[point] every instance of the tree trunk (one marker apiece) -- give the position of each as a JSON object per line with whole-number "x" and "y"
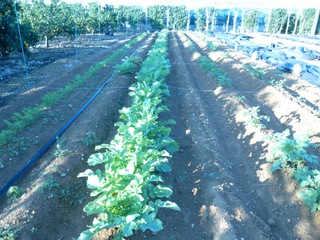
{"x": 315, "y": 22}
{"x": 168, "y": 18}
{"x": 296, "y": 24}
{"x": 228, "y": 19}
{"x": 207, "y": 19}
{"x": 288, "y": 23}
{"x": 242, "y": 21}
{"x": 188, "y": 21}
{"x": 46, "y": 41}
{"x": 213, "y": 20}
{"x": 268, "y": 22}
{"x": 235, "y": 21}
{"x": 302, "y": 27}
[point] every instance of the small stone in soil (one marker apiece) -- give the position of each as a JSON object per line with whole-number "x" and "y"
{"x": 271, "y": 222}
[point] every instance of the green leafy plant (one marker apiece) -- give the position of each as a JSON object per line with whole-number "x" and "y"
{"x": 128, "y": 192}
{"x": 49, "y": 184}
{"x": 211, "y": 45}
{"x": 8, "y": 233}
{"x": 59, "y": 152}
{"x": 14, "y": 192}
{"x": 91, "y": 139}
{"x": 129, "y": 64}
{"x": 280, "y": 84}
{"x": 317, "y": 112}
{"x": 34, "y": 231}
{"x": 257, "y": 72}
{"x": 239, "y": 99}
{"x": 211, "y": 68}
{"x": 254, "y": 119}
{"x": 72, "y": 193}
{"x": 301, "y": 99}
{"x": 287, "y": 153}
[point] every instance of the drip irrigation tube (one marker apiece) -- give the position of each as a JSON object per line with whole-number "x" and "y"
{"x": 59, "y": 133}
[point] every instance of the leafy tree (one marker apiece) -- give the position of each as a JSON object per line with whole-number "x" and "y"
{"x": 7, "y": 26}
{"x": 134, "y": 15}
{"x": 200, "y": 19}
{"x": 251, "y": 20}
{"x": 93, "y": 17}
{"x": 178, "y": 17}
{"x": 277, "y": 20}
{"x": 45, "y": 19}
{"x": 109, "y": 18}
{"x": 79, "y": 18}
{"x": 306, "y": 21}
{"x": 9, "y": 35}
{"x": 156, "y": 15}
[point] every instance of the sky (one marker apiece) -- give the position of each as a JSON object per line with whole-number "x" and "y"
{"x": 193, "y": 4}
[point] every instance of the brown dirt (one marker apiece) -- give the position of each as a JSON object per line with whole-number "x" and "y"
{"x": 220, "y": 177}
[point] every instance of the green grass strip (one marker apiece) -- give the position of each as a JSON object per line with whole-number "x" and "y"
{"x": 20, "y": 121}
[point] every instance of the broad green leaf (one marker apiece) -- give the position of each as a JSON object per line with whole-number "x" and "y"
{"x": 86, "y": 173}
{"x": 128, "y": 227}
{"x": 162, "y": 191}
{"x": 163, "y": 168}
{"x": 94, "y": 208}
{"x": 94, "y": 182}
{"x": 86, "y": 235}
{"x": 155, "y": 178}
{"x": 150, "y": 222}
{"x": 97, "y": 158}
{"x": 168, "y": 204}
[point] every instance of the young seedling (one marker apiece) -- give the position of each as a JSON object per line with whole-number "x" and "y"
{"x": 59, "y": 153}
{"x": 14, "y": 193}
{"x": 290, "y": 153}
{"x": 254, "y": 119}
{"x": 8, "y": 233}
{"x": 91, "y": 139}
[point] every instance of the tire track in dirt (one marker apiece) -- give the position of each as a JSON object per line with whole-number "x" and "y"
{"x": 222, "y": 188}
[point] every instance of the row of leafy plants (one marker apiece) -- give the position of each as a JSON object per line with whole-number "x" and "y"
{"x": 285, "y": 152}
{"x": 291, "y": 155}
{"x": 209, "y": 66}
{"x": 27, "y": 116}
{"x": 129, "y": 191}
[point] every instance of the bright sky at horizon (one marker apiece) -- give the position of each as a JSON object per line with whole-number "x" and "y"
{"x": 191, "y": 4}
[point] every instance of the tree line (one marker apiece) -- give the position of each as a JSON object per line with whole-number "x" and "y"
{"x": 36, "y": 20}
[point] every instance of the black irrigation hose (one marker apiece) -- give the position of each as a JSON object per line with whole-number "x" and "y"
{"x": 48, "y": 145}
{"x": 59, "y": 133}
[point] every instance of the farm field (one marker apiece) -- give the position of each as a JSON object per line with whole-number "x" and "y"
{"x": 220, "y": 176}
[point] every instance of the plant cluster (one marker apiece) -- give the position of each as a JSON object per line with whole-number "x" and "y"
{"x": 91, "y": 139}
{"x": 72, "y": 193}
{"x": 239, "y": 99}
{"x": 254, "y": 119}
{"x": 8, "y": 233}
{"x": 129, "y": 65}
{"x": 278, "y": 84}
{"x": 28, "y": 115}
{"x": 211, "y": 68}
{"x": 14, "y": 192}
{"x": 291, "y": 154}
{"x": 129, "y": 191}
{"x": 257, "y": 72}
{"x": 209, "y": 43}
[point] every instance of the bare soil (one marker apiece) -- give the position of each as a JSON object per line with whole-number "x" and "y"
{"x": 220, "y": 177}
